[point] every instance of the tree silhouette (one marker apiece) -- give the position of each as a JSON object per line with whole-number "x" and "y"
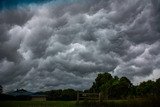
{"x": 157, "y": 87}
{"x": 146, "y": 88}
{"x": 112, "y": 87}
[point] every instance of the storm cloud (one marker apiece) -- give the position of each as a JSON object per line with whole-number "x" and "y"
{"x": 65, "y": 44}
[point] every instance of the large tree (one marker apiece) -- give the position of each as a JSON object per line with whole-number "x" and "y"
{"x": 124, "y": 86}
{"x": 146, "y": 88}
{"x": 100, "y": 81}
{"x": 157, "y": 87}
{"x": 111, "y": 87}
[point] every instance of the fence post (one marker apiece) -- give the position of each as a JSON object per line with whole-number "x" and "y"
{"x": 77, "y": 97}
{"x": 100, "y": 97}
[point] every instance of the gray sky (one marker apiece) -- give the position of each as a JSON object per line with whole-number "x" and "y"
{"x": 65, "y": 45}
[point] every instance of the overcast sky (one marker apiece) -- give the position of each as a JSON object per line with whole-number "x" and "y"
{"x": 66, "y": 43}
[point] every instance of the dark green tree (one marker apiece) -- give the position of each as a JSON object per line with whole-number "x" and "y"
{"x": 146, "y": 88}
{"x": 112, "y": 87}
{"x": 124, "y": 86}
{"x": 133, "y": 91}
{"x": 157, "y": 87}
{"x": 69, "y": 94}
{"x": 117, "y": 88}
{"x": 101, "y": 80}
{"x": 54, "y": 94}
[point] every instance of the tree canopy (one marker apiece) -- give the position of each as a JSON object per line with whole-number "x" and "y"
{"x": 115, "y": 87}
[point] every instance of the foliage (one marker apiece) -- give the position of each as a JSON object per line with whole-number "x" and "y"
{"x": 146, "y": 88}
{"x": 65, "y": 95}
{"x": 157, "y": 87}
{"x": 100, "y": 81}
{"x": 114, "y": 87}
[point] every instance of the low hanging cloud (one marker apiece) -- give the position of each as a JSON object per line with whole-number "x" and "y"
{"x": 65, "y": 44}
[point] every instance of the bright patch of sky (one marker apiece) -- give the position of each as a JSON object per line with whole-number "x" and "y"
{"x": 9, "y": 4}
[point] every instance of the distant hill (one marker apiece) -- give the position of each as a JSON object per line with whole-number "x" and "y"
{"x": 20, "y": 92}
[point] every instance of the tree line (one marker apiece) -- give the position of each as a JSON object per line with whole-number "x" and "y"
{"x": 60, "y": 95}
{"x": 110, "y": 87}
{"x": 115, "y": 87}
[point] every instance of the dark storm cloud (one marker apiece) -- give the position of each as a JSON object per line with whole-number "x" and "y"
{"x": 10, "y": 43}
{"x": 64, "y": 45}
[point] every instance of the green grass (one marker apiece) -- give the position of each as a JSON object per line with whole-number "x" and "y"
{"x": 38, "y": 104}
{"x": 124, "y": 103}
{"x": 108, "y": 103}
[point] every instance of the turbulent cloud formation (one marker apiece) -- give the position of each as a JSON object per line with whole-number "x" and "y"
{"x": 64, "y": 44}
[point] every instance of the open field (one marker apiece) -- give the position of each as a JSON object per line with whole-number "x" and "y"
{"x": 124, "y": 103}
{"x": 109, "y": 103}
{"x": 38, "y": 104}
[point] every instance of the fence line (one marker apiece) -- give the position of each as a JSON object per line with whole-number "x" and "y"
{"x": 89, "y": 96}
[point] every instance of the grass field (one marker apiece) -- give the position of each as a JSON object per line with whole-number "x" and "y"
{"x": 109, "y": 103}
{"x": 124, "y": 103}
{"x": 38, "y": 104}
